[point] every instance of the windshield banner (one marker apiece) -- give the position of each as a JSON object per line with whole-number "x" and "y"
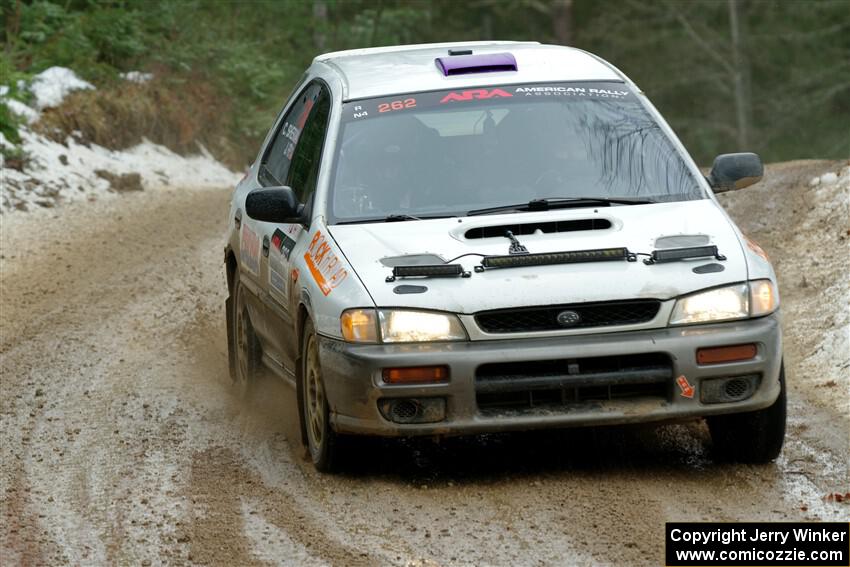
{"x": 483, "y": 96}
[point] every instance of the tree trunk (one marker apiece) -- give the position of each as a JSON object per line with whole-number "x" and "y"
{"x": 741, "y": 74}
{"x": 487, "y": 25}
{"x": 13, "y": 26}
{"x": 320, "y": 24}
{"x": 562, "y": 20}
{"x": 376, "y": 23}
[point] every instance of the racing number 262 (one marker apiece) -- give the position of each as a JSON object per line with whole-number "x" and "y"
{"x": 397, "y": 105}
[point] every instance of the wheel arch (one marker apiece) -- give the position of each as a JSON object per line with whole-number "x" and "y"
{"x": 303, "y": 314}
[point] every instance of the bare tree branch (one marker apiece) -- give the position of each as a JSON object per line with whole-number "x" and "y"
{"x": 702, "y": 43}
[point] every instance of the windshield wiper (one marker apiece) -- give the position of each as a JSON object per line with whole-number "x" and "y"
{"x": 395, "y": 218}
{"x": 400, "y": 217}
{"x": 560, "y": 203}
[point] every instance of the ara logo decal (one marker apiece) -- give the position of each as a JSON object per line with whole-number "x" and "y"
{"x": 249, "y": 250}
{"x": 324, "y": 265}
{"x": 475, "y": 94}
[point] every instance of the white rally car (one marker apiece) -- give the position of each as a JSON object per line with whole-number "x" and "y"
{"x": 477, "y": 237}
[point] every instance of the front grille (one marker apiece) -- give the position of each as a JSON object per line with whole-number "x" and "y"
{"x": 530, "y": 319}
{"x": 565, "y": 383}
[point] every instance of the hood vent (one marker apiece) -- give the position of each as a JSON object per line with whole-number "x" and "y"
{"x": 498, "y": 231}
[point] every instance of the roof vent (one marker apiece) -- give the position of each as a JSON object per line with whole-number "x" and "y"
{"x": 468, "y": 64}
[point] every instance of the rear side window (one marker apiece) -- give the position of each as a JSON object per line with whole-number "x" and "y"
{"x": 283, "y": 153}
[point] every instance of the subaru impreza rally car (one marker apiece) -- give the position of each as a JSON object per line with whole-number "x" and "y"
{"x": 479, "y": 237}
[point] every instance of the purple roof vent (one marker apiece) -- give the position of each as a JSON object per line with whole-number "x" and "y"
{"x": 468, "y": 63}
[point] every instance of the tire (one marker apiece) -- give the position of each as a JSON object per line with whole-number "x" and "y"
{"x": 753, "y": 437}
{"x": 246, "y": 351}
{"x": 322, "y": 441}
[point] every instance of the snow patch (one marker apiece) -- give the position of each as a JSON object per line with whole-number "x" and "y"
{"x": 52, "y": 85}
{"x": 73, "y": 171}
{"x": 831, "y": 178}
{"x": 22, "y": 110}
{"x": 136, "y": 76}
{"x": 49, "y": 88}
{"x": 70, "y": 171}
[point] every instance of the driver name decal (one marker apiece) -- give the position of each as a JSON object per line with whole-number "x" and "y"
{"x": 324, "y": 264}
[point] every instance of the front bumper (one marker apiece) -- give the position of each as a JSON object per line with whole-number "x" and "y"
{"x": 353, "y": 381}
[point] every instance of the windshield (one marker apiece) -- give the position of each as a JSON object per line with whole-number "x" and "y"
{"x": 445, "y": 153}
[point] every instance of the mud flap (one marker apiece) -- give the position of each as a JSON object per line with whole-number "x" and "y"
{"x": 231, "y": 345}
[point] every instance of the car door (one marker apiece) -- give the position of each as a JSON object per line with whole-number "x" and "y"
{"x": 293, "y": 160}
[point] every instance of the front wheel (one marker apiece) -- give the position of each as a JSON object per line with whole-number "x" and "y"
{"x": 752, "y": 437}
{"x": 322, "y": 440}
{"x": 246, "y": 351}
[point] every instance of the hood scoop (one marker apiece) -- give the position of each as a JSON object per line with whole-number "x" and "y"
{"x": 499, "y": 231}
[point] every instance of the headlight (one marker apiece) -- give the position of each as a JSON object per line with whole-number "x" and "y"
{"x": 721, "y": 304}
{"x": 737, "y": 301}
{"x": 400, "y": 326}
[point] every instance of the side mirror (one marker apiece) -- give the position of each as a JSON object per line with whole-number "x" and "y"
{"x": 735, "y": 171}
{"x": 273, "y": 204}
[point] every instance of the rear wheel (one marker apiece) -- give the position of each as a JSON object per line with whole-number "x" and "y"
{"x": 752, "y": 437}
{"x": 322, "y": 440}
{"x": 246, "y": 351}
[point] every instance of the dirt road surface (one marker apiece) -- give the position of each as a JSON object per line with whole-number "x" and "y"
{"x": 123, "y": 444}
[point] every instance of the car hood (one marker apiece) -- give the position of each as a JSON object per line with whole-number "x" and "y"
{"x": 372, "y": 248}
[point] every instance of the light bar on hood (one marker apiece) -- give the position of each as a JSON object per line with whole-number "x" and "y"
{"x": 549, "y": 258}
{"x": 427, "y": 271}
{"x": 673, "y": 254}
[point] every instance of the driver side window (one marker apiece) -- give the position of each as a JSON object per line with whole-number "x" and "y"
{"x": 293, "y": 154}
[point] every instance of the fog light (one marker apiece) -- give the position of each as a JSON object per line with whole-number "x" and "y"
{"x": 416, "y": 374}
{"x": 413, "y": 410}
{"x": 734, "y": 353}
{"x": 729, "y": 389}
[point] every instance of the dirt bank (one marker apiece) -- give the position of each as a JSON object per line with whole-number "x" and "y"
{"x": 122, "y": 443}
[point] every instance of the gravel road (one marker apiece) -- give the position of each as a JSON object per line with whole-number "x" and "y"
{"x": 123, "y": 444}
